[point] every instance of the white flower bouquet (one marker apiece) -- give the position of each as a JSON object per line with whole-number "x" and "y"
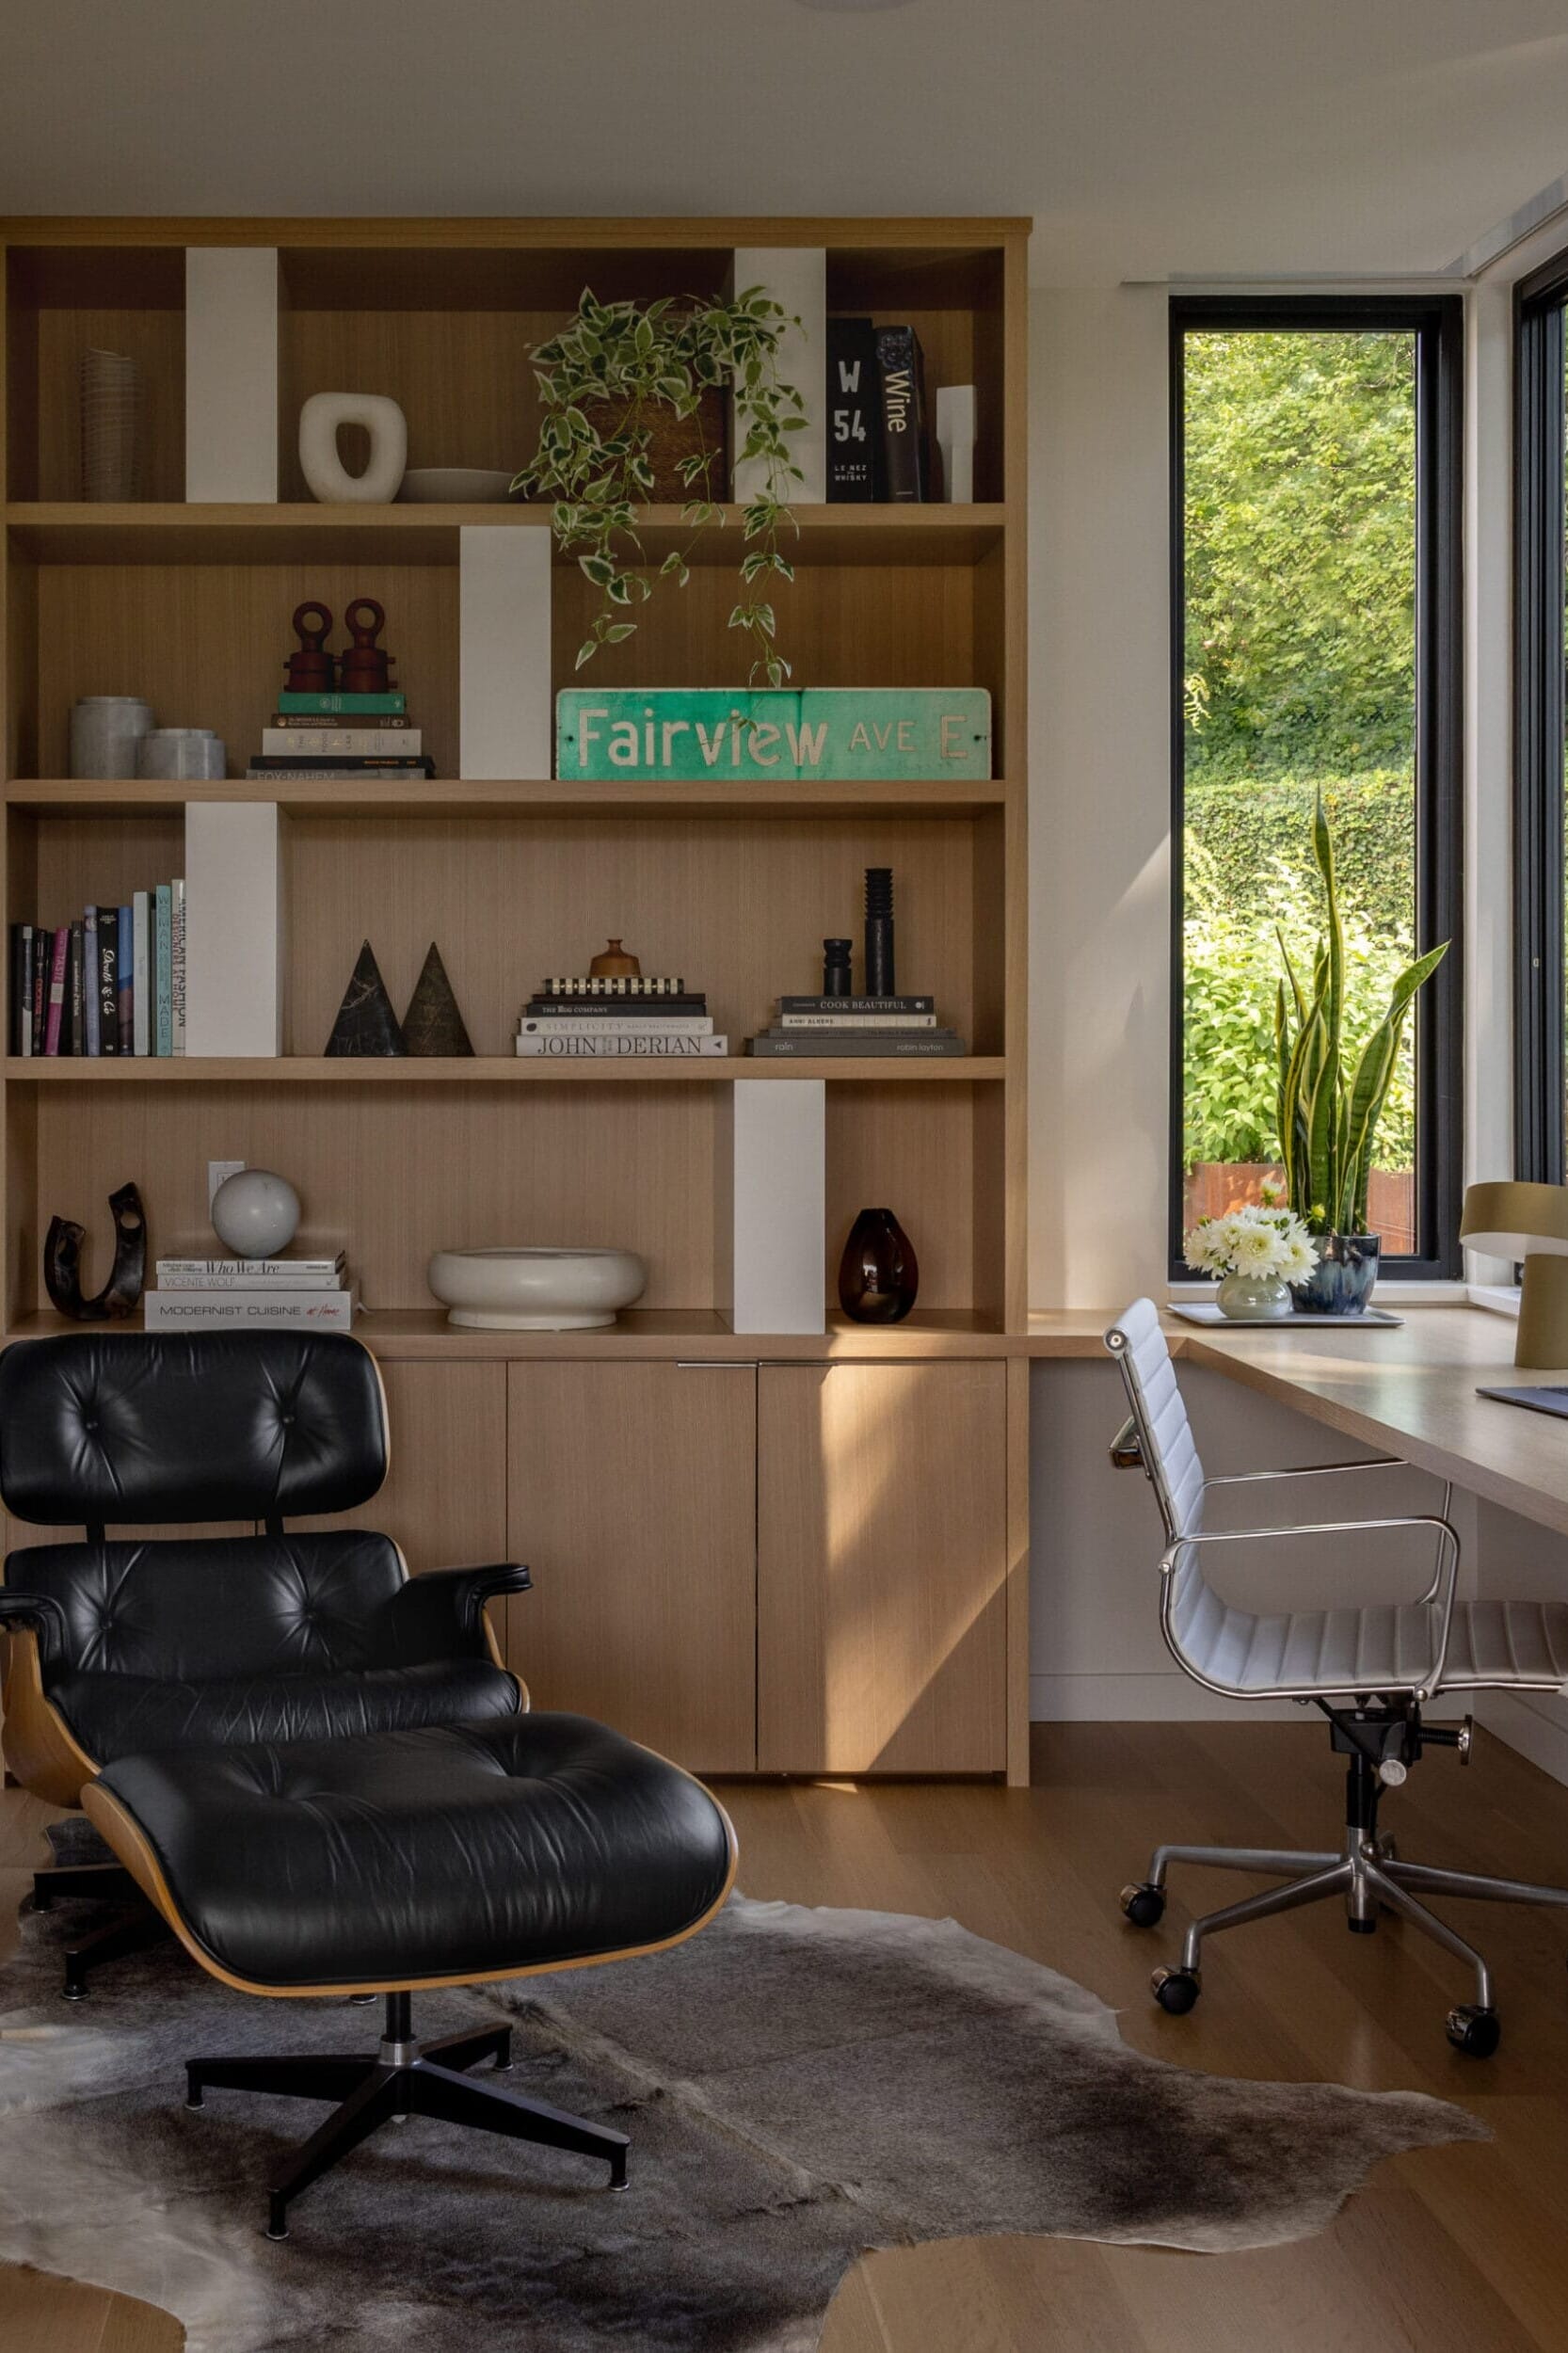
{"x": 1262, "y": 1239}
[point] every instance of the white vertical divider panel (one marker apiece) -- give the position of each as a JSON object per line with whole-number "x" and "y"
{"x": 797, "y": 276}
{"x": 505, "y": 719}
{"x": 231, "y": 373}
{"x": 233, "y": 928}
{"x": 770, "y": 1203}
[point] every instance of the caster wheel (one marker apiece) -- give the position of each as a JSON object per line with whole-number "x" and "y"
{"x": 1143, "y": 1906}
{"x": 1478, "y": 2032}
{"x": 1174, "y": 1990}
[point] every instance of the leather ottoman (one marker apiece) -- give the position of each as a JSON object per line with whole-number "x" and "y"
{"x": 443, "y": 1855}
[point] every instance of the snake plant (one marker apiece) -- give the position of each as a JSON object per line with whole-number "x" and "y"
{"x": 1328, "y": 1113}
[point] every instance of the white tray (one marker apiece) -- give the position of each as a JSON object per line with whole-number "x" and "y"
{"x": 1204, "y": 1311}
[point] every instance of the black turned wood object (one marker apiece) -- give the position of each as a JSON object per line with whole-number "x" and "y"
{"x": 62, "y": 1262}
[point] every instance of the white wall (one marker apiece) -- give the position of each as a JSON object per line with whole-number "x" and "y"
{"x": 1100, "y": 795}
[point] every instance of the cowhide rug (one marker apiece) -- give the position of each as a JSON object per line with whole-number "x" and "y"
{"x": 799, "y": 2086}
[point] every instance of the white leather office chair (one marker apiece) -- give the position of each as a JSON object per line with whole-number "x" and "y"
{"x": 1370, "y": 1670}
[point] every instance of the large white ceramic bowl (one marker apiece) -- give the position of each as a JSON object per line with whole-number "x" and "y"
{"x": 536, "y": 1290}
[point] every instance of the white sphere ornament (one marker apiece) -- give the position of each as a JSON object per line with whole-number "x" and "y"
{"x": 327, "y": 477}
{"x": 255, "y": 1214}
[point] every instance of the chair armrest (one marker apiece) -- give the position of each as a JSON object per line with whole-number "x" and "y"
{"x": 1310, "y": 1471}
{"x": 440, "y": 1614}
{"x": 1439, "y": 1593}
{"x": 41, "y": 1611}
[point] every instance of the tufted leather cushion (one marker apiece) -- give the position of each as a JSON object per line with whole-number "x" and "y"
{"x": 198, "y": 1641}
{"x": 451, "y": 1851}
{"x": 132, "y": 1428}
{"x": 195, "y": 1606}
{"x": 117, "y": 1715}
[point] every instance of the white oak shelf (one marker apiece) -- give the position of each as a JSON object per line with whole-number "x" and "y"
{"x": 74, "y": 532}
{"x": 490, "y": 1070}
{"x": 695, "y": 1335}
{"x": 445, "y": 796}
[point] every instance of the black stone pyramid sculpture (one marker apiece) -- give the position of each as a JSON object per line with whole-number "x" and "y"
{"x": 367, "y": 1023}
{"x": 433, "y": 1024}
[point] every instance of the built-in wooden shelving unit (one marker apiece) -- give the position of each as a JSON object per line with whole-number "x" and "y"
{"x": 188, "y": 603}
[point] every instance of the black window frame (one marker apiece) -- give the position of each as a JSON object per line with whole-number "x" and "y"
{"x": 1539, "y": 721}
{"x": 1438, "y": 325}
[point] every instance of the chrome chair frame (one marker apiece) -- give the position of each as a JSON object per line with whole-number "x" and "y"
{"x": 1378, "y": 1729}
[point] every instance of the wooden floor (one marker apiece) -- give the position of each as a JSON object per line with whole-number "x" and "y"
{"x": 1457, "y": 2247}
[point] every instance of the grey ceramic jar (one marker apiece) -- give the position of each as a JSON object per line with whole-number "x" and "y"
{"x": 105, "y": 731}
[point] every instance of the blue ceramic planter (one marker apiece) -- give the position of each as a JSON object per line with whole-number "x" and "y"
{"x": 1341, "y": 1283}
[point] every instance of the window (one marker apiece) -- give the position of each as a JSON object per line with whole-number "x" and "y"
{"x": 1541, "y": 1147}
{"x": 1316, "y": 590}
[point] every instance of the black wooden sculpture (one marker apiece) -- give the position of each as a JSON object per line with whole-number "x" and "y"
{"x": 62, "y": 1262}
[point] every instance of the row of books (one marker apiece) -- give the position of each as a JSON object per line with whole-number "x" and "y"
{"x": 111, "y": 982}
{"x": 879, "y": 442}
{"x": 898, "y": 1027}
{"x": 335, "y": 735}
{"x": 640, "y": 1014}
{"x": 250, "y": 1295}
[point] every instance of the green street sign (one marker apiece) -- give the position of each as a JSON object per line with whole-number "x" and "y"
{"x": 773, "y": 735}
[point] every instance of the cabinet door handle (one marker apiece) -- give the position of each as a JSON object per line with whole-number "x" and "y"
{"x": 715, "y": 1364}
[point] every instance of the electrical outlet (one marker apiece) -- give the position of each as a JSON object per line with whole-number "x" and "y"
{"x": 218, "y": 1173}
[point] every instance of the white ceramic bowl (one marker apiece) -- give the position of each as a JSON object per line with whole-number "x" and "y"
{"x": 536, "y": 1290}
{"x": 454, "y": 485}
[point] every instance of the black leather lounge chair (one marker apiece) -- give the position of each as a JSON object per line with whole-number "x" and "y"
{"x": 410, "y": 1849}
{"x": 207, "y": 1641}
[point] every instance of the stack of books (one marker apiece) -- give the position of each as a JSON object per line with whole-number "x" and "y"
{"x": 250, "y": 1295}
{"x": 879, "y": 433}
{"x": 634, "y": 1015}
{"x": 333, "y": 735}
{"x": 113, "y": 981}
{"x": 858, "y": 1025}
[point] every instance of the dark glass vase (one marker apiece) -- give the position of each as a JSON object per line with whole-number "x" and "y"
{"x": 1341, "y": 1282}
{"x": 879, "y": 1273}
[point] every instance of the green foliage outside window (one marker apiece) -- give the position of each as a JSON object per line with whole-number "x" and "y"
{"x": 1299, "y": 456}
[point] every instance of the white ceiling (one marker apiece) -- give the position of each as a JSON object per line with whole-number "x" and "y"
{"x": 1147, "y": 137}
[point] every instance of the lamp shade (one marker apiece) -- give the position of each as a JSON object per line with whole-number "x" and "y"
{"x": 1509, "y": 1219}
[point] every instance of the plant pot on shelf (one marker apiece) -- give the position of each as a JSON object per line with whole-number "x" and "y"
{"x": 1341, "y": 1282}
{"x": 1254, "y": 1298}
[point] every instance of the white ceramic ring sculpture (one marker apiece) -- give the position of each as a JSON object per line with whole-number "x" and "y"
{"x": 328, "y": 478}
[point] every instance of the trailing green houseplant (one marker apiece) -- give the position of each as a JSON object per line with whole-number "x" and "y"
{"x": 1326, "y": 1108}
{"x": 602, "y": 382}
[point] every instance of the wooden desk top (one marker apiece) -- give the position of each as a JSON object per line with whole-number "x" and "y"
{"x": 1412, "y": 1392}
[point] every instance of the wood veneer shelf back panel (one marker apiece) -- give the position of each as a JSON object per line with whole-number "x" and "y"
{"x": 62, "y": 301}
{"x": 390, "y": 1175}
{"x": 739, "y": 909}
{"x": 205, "y": 645}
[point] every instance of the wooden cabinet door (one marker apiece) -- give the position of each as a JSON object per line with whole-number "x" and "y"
{"x": 633, "y": 1495}
{"x": 882, "y": 1568}
{"x": 445, "y": 1498}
